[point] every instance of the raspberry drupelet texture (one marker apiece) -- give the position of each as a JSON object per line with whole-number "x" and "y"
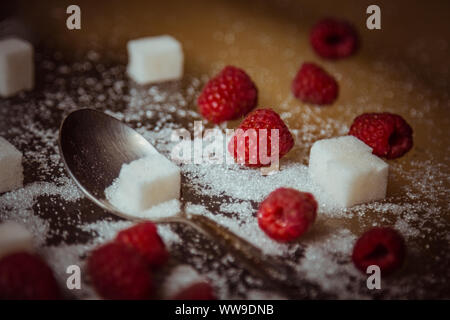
{"x": 334, "y": 39}
{"x": 196, "y": 291}
{"x": 380, "y": 246}
{"x": 25, "y": 276}
{"x": 145, "y": 239}
{"x": 119, "y": 272}
{"x": 389, "y": 135}
{"x": 287, "y": 213}
{"x": 228, "y": 96}
{"x": 250, "y": 139}
{"x": 314, "y": 85}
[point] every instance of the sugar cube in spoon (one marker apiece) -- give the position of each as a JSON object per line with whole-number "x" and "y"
{"x": 145, "y": 183}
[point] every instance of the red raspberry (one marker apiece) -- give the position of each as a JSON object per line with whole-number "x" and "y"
{"x": 379, "y": 246}
{"x": 25, "y": 276}
{"x": 228, "y": 96}
{"x": 245, "y": 144}
{"x": 286, "y": 214}
{"x": 118, "y": 272}
{"x": 389, "y": 135}
{"x": 314, "y": 85}
{"x": 334, "y": 39}
{"x": 145, "y": 239}
{"x": 196, "y": 291}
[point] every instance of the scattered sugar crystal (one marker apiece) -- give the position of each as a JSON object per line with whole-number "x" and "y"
{"x": 251, "y": 185}
{"x": 161, "y": 210}
{"x": 245, "y": 226}
{"x": 16, "y": 66}
{"x": 18, "y": 205}
{"x": 328, "y": 262}
{"x": 406, "y": 229}
{"x": 179, "y": 278}
{"x": 168, "y": 235}
{"x": 346, "y": 169}
{"x": 145, "y": 183}
{"x": 155, "y": 59}
{"x": 14, "y": 237}
{"x": 11, "y": 170}
{"x": 106, "y": 230}
{"x": 264, "y": 295}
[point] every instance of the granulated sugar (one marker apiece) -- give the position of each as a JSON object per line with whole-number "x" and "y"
{"x": 67, "y": 226}
{"x": 106, "y": 230}
{"x": 327, "y": 261}
{"x": 179, "y": 278}
{"x": 18, "y": 205}
{"x": 244, "y": 224}
{"x": 162, "y": 210}
{"x": 264, "y": 295}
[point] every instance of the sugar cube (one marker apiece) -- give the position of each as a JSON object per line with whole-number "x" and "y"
{"x": 16, "y": 66}
{"x": 346, "y": 169}
{"x": 14, "y": 238}
{"x": 11, "y": 170}
{"x": 155, "y": 59}
{"x": 145, "y": 183}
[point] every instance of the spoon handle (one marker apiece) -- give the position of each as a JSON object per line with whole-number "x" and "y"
{"x": 253, "y": 258}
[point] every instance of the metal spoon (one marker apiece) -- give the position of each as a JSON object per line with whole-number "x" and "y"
{"x": 94, "y": 146}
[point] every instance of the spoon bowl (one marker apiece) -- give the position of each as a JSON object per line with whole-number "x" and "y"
{"x": 94, "y": 146}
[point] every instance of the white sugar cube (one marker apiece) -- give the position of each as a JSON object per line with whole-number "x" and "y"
{"x": 11, "y": 170}
{"x": 14, "y": 238}
{"x": 145, "y": 183}
{"x": 16, "y": 66}
{"x": 347, "y": 170}
{"x": 155, "y": 59}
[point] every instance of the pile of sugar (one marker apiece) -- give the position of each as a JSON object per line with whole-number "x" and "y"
{"x": 228, "y": 194}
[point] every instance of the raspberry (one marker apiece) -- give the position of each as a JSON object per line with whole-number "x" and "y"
{"x": 119, "y": 272}
{"x": 245, "y": 144}
{"x": 380, "y": 246}
{"x": 145, "y": 239}
{"x": 25, "y": 276}
{"x": 334, "y": 39}
{"x": 389, "y": 135}
{"x": 196, "y": 291}
{"x": 314, "y": 85}
{"x": 286, "y": 214}
{"x": 228, "y": 96}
